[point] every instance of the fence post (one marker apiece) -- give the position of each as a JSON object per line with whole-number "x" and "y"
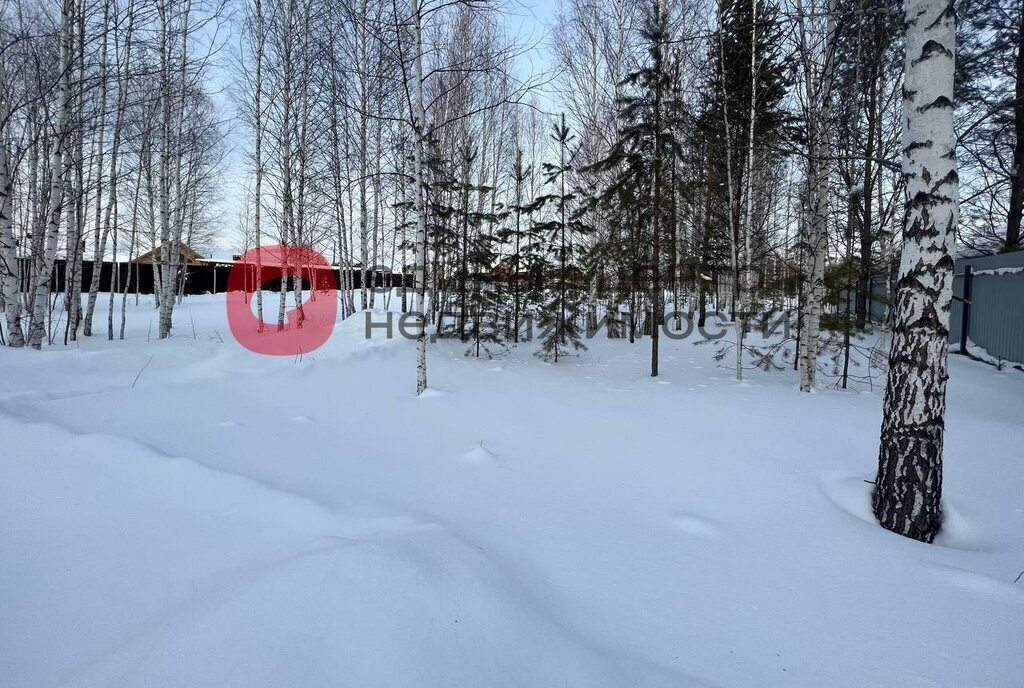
{"x": 965, "y": 309}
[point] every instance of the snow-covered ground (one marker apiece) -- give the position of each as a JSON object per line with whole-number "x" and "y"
{"x": 187, "y": 513}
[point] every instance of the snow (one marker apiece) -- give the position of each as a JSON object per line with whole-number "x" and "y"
{"x": 999, "y": 271}
{"x": 982, "y": 354}
{"x": 187, "y": 513}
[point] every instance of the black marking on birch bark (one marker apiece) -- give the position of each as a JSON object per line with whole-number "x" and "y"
{"x": 922, "y": 199}
{"x": 940, "y": 102}
{"x": 915, "y": 145}
{"x": 930, "y": 49}
{"x": 940, "y": 198}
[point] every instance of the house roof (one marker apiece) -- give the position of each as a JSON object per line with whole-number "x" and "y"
{"x": 191, "y": 257}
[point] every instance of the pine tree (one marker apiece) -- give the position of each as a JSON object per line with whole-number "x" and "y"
{"x": 621, "y": 259}
{"x": 651, "y": 122}
{"x": 562, "y": 301}
{"x": 480, "y": 303}
{"x": 467, "y": 226}
{"x": 520, "y": 236}
{"x": 440, "y": 223}
{"x": 486, "y": 308}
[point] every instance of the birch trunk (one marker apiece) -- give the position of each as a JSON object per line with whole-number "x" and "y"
{"x": 301, "y": 128}
{"x": 344, "y": 261}
{"x": 258, "y": 125}
{"x": 287, "y": 214}
{"x": 132, "y": 249}
{"x": 76, "y": 229}
{"x": 657, "y": 309}
{"x": 101, "y": 232}
{"x": 819, "y": 93}
{"x": 115, "y": 277}
{"x": 362, "y": 143}
{"x": 734, "y": 257}
{"x": 748, "y": 219}
{"x": 908, "y": 488}
{"x": 146, "y": 162}
{"x": 122, "y": 106}
{"x": 10, "y": 268}
{"x": 162, "y": 254}
{"x": 419, "y": 134}
{"x": 171, "y": 219}
{"x": 58, "y": 168}
{"x": 378, "y": 205}
{"x": 403, "y": 177}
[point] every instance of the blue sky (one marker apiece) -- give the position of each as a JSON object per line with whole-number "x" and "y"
{"x": 529, "y": 18}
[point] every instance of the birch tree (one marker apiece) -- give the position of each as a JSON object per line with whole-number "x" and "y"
{"x": 10, "y": 269}
{"x": 818, "y": 62}
{"x": 101, "y": 229}
{"x": 908, "y": 487}
{"x": 259, "y": 38}
{"x": 59, "y": 163}
{"x": 746, "y": 296}
{"x": 448, "y": 78}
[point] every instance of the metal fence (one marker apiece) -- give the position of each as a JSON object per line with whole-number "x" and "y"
{"x": 988, "y": 305}
{"x": 879, "y": 301}
{"x": 989, "y": 290}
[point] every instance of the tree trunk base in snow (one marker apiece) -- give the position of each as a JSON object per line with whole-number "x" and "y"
{"x": 908, "y": 488}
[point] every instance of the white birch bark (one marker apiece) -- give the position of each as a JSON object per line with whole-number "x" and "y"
{"x": 58, "y": 170}
{"x": 181, "y": 205}
{"x": 75, "y": 249}
{"x": 285, "y": 140}
{"x": 419, "y": 135}
{"x": 301, "y": 139}
{"x": 258, "y": 125}
{"x": 132, "y": 249}
{"x": 10, "y": 268}
{"x": 162, "y": 254}
{"x": 361, "y": 146}
{"x": 745, "y": 305}
{"x": 734, "y": 248}
{"x": 343, "y": 259}
{"x": 171, "y": 187}
{"x": 378, "y": 203}
{"x": 122, "y": 106}
{"x": 819, "y": 94}
{"x": 908, "y": 487}
{"x": 101, "y": 230}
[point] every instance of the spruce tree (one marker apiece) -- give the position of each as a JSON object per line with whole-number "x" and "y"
{"x": 520, "y": 236}
{"x": 651, "y": 122}
{"x": 442, "y": 235}
{"x": 485, "y": 307}
{"x": 562, "y": 299}
{"x": 480, "y": 308}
